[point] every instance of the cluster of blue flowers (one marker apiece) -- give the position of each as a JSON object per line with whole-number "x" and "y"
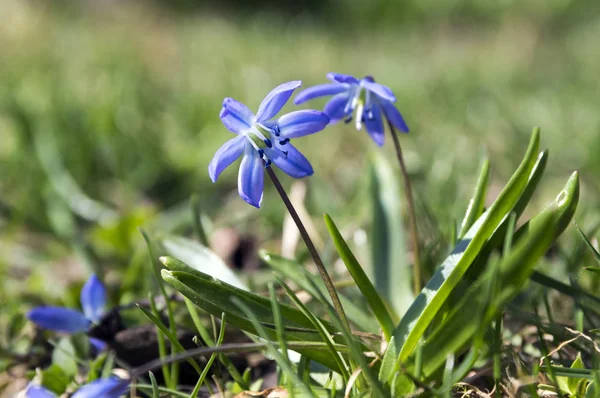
{"x": 67, "y": 320}
{"x": 262, "y": 140}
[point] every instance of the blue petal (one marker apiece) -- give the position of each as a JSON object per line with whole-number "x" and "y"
{"x": 335, "y": 108}
{"x": 301, "y": 123}
{"x": 393, "y": 115}
{"x": 275, "y": 100}
{"x": 374, "y": 124}
{"x": 98, "y": 344}
{"x": 227, "y": 154}
{"x": 93, "y": 299}
{"x": 320, "y": 91}
{"x": 113, "y": 387}
{"x": 236, "y": 116}
{"x": 379, "y": 89}
{"x": 294, "y": 164}
{"x": 59, "y": 319}
{"x": 251, "y": 177}
{"x": 341, "y": 78}
{"x": 34, "y": 391}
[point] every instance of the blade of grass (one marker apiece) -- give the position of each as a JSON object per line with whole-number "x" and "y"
{"x": 391, "y": 270}
{"x": 211, "y": 359}
{"x": 373, "y": 299}
{"x": 156, "y": 267}
{"x": 280, "y": 332}
{"x": 214, "y": 297}
{"x": 356, "y": 353}
{"x": 587, "y": 242}
{"x": 283, "y": 362}
{"x": 499, "y": 318}
{"x": 172, "y": 338}
{"x": 231, "y": 369}
{"x": 589, "y": 300}
{"x": 160, "y": 337}
{"x": 155, "y": 390}
{"x": 325, "y": 335}
{"x": 199, "y": 230}
{"x": 148, "y": 388}
{"x": 477, "y": 202}
{"x": 290, "y": 269}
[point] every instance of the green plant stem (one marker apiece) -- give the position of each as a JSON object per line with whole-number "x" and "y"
{"x": 412, "y": 217}
{"x": 199, "y": 230}
{"x": 337, "y": 304}
{"x": 226, "y": 348}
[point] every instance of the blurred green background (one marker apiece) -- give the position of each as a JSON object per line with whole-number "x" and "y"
{"x": 109, "y": 117}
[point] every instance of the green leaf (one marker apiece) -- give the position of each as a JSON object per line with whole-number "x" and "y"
{"x": 282, "y": 361}
{"x": 586, "y": 374}
{"x": 292, "y": 270}
{"x": 592, "y": 390}
{"x": 325, "y": 335}
{"x": 210, "y": 293}
{"x": 477, "y": 202}
{"x": 584, "y": 298}
{"x": 499, "y": 235}
{"x": 149, "y": 388}
{"x": 65, "y": 357}
{"x": 362, "y": 281}
{"x": 205, "y": 335}
{"x": 212, "y": 358}
{"x": 513, "y": 270}
{"x": 200, "y": 258}
{"x": 214, "y": 297}
{"x": 573, "y": 382}
{"x": 589, "y": 245}
{"x": 432, "y": 297}
{"x": 377, "y": 389}
{"x": 391, "y": 272}
{"x": 155, "y": 390}
{"x": 171, "y": 336}
{"x": 595, "y": 270}
{"x": 54, "y": 379}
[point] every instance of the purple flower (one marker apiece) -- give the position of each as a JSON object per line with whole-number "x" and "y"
{"x": 367, "y": 98}
{"x": 112, "y": 387}
{"x": 67, "y": 320}
{"x": 263, "y": 140}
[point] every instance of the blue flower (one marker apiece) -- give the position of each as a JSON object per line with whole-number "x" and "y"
{"x": 67, "y": 320}
{"x": 367, "y": 98}
{"x": 263, "y": 140}
{"x": 112, "y": 387}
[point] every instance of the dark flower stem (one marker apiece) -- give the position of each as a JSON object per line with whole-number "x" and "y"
{"x": 411, "y": 212}
{"x": 311, "y": 248}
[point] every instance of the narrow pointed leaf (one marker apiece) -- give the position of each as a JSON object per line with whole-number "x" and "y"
{"x": 214, "y": 297}
{"x": 362, "y": 281}
{"x": 513, "y": 271}
{"x": 201, "y": 258}
{"x": 172, "y": 337}
{"x": 589, "y": 244}
{"x": 477, "y": 202}
{"x": 325, "y": 335}
{"x": 434, "y": 294}
{"x": 391, "y": 273}
{"x": 291, "y": 270}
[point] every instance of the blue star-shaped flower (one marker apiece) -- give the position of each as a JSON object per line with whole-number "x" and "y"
{"x": 365, "y": 97}
{"x": 112, "y": 387}
{"x": 263, "y": 141}
{"x": 67, "y": 320}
